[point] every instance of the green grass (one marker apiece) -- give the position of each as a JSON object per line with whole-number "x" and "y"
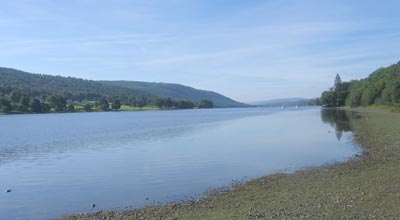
{"x": 80, "y": 108}
{"x": 130, "y": 108}
{"x": 375, "y": 107}
{"x": 367, "y": 187}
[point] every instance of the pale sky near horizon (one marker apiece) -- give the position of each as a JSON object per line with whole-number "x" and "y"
{"x": 247, "y": 50}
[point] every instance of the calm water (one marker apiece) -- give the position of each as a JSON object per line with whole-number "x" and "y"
{"x": 62, "y": 163}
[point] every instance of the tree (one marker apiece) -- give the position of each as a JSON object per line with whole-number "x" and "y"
{"x": 20, "y": 108}
{"x": 70, "y": 107}
{"x": 103, "y": 104}
{"x": 205, "y": 104}
{"x": 57, "y": 102}
{"x": 116, "y": 104}
{"x": 338, "y": 81}
{"x": 15, "y": 96}
{"x": 337, "y": 95}
{"x": 160, "y": 102}
{"x": 5, "y": 105}
{"x": 88, "y": 107}
{"x": 24, "y": 100}
{"x": 185, "y": 105}
{"x": 168, "y": 103}
{"x": 328, "y": 98}
{"x": 132, "y": 102}
{"x": 35, "y": 105}
{"x": 45, "y": 107}
{"x": 141, "y": 101}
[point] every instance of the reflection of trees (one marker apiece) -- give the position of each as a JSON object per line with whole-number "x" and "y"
{"x": 338, "y": 119}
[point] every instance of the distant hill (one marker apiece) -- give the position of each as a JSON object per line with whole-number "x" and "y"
{"x": 177, "y": 91}
{"x": 41, "y": 85}
{"x": 283, "y": 102}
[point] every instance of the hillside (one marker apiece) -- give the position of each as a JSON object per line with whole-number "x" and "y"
{"x": 75, "y": 89}
{"x": 283, "y": 102}
{"x": 177, "y": 91}
{"x": 41, "y": 85}
{"x": 382, "y": 87}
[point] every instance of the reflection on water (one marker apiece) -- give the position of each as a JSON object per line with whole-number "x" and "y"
{"x": 61, "y": 163}
{"x": 339, "y": 119}
{"x": 24, "y": 136}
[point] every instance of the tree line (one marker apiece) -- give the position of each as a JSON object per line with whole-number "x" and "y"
{"x": 382, "y": 87}
{"x": 17, "y": 102}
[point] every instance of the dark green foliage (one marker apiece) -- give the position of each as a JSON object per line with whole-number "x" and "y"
{"x": 116, "y": 104}
{"x": 57, "y": 102}
{"x": 20, "y": 108}
{"x": 205, "y": 104}
{"x": 24, "y": 100}
{"x": 329, "y": 98}
{"x": 141, "y": 101}
{"x": 15, "y": 96}
{"x": 185, "y": 105}
{"x": 168, "y": 103}
{"x": 382, "y": 87}
{"x": 36, "y": 106}
{"x": 5, "y": 105}
{"x": 70, "y": 107}
{"x": 88, "y": 107}
{"x": 45, "y": 107}
{"x": 103, "y": 104}
{"x": 355, "y": 93}
{"x": 132, "y": 101}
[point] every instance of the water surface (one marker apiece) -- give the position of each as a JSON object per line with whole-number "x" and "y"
{"x": 62, "y": 163}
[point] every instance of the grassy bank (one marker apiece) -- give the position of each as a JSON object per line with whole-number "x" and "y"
{"x": 367, "y": 187}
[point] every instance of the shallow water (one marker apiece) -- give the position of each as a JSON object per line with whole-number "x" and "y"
{"x": 62, "y": 163}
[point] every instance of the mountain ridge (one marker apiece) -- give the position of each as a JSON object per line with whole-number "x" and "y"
{"x": 294, "y": 101}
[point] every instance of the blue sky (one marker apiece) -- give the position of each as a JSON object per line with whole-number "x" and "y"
{"x": 248, "y": 50}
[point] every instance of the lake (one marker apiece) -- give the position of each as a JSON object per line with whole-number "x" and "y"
{"x": 57, "y": 164}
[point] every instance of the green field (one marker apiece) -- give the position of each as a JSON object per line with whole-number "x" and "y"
{"x": 130, "y": 108}
{"x": 80, "y": 108}
{"x": 367, "y": 187}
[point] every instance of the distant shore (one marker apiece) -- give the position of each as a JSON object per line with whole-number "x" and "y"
{"x": 123, "y": 109}
{"x": 365, "y": 187}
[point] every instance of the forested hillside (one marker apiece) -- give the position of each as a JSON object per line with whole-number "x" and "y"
{"x": 178, "y": 92}
{"x": 40, "y": 85}
{"x": 382, "y": 87}
{"x": 26, "y": 92}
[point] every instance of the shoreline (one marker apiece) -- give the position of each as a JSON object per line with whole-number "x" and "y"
{"x": 364, "y": 187}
